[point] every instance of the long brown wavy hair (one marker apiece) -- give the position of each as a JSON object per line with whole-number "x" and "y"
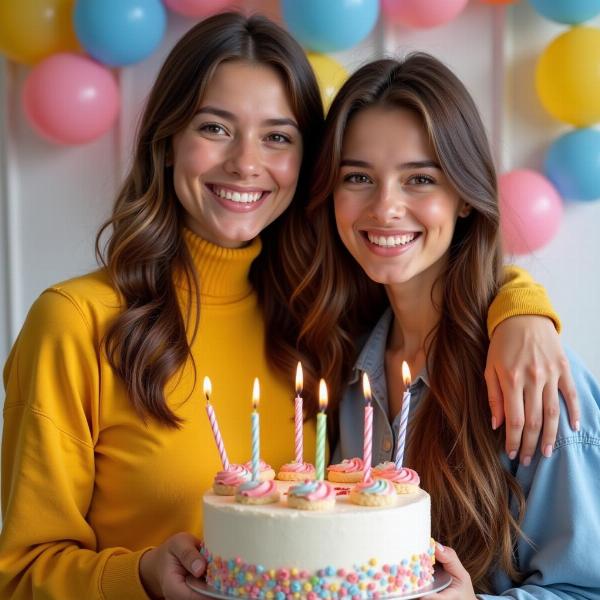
{"x": 451, "y": 444}
{"x": 150, "y": 339}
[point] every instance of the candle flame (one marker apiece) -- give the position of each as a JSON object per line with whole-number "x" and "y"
{"x": 299, "y": 379}
{"x": 255, "y": 394}
{"x": 366, "y": 388}
{"x": 322, "y": 395}
{"x": 207, "y": 388}
{"x": 406, "y": 373}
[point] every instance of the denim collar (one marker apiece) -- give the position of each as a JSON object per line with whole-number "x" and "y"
{"x": 371, "y": 359}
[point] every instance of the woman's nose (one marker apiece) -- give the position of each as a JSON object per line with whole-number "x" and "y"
{"x": 244, "y": 159}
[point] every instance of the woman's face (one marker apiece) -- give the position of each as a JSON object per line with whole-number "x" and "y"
{"x": 394, "y": 207}
{"x": 236, "y": 164}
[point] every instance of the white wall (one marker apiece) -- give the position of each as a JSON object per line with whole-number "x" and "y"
{"x": 52, "y": 199}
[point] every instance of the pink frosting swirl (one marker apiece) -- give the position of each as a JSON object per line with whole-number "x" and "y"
{"x": 257, "y": 489}
{"x": 348, "y": 465}
{"x": 377, "y": 487}
{"x": 262, "y": 466}
{"x": 314, "y": 491}
{"x": 388, "y": 470}
{"x": 233, "y": 476}
{"x": 295, "y": 467}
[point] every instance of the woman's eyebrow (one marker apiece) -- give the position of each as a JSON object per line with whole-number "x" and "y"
{"x": 413, "y": 164}
{"x": 225, "y": 114}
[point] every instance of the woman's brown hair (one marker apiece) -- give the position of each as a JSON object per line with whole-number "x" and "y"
{"x": 451, "y": 444}
{"x": 150, "y": 340}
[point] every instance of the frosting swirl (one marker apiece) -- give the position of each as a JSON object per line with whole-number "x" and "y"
{"x": 233, "y": 476}
{"x": 348, "y": 465}
{"x": 262, "y": 466}
{"x": 314, "y": 491}
{"x": 257, "y": 489}
{"x": 388, "y": 470}
{"x": 376, "y": 487}
{"x": 295, "y": 467}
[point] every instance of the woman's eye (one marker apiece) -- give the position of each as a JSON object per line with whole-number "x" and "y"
{"x": 421, "y": 180}
{"x": 279, "y": 138}
{"x": 212, "y": 129}
{"x": 356, "y": 178}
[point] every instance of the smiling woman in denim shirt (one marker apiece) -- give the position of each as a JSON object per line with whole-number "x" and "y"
{"x": 415, "y": 204}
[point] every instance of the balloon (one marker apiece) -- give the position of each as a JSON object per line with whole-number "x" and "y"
{"x": 422, "y": 13}
{"x": 530, "y": 211}
{"x": 330, "y": 25}
{"x": 120, "y": 32}
{"x": 570, "y": 12}
{"x": 30, "y": 30}
{"x": 573, "y": 164}
{"x": 567, "y": 77}
{"x": 198, "y": 8}
{"x": 71, "y": 99}
{"x": 330, "y": 75}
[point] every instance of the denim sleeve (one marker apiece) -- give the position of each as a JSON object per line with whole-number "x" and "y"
{"x": 561, "y": 559}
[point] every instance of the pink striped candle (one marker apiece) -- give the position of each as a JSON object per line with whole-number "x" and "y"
{"x": 255, "y": 431}
{"x": 212, "y": 419}
{"x": 298, "y": 416}
{"x": 403, "y": 416}
{"x": 368, "y": 435}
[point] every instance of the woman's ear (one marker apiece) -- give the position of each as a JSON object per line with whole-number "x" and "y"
{"x": 465, "y": 210}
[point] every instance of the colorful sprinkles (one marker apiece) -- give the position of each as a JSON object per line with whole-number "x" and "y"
{"x": 236, "y": 578}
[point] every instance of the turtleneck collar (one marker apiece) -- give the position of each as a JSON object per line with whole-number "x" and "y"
{"x": 223, "y": 272}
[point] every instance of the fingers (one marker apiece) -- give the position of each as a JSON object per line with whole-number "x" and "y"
{"x": 185, "y": 549}
{"x": 495, "y": 397}
{"x": 551, "y": 414}
{"x": 567, "y": 388}
{"x": 533, "y": 412}
{"x": 514, "y": 409}
{"x": 447, "y": 557}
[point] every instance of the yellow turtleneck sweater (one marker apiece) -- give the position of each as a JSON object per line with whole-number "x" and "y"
{"x": 87, "y": 486}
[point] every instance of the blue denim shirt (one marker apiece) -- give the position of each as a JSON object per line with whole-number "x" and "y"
{"x": 562, "y": 492}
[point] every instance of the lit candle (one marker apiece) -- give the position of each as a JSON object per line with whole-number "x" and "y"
{"x": 321, "y": 432}
{"x": 255, "y": 431}
{"x": 212, "y": 419}
{"x": 368, "y": 435}
{"x": 298, "y": 416}
{"x": 403, "y": 416}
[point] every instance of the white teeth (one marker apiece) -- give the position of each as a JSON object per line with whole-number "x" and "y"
{"x": 391, "y": 241}
{"x": 244, "y": 197}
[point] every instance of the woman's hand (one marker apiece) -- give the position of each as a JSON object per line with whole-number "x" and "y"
{"x": 526, "y": 366}
{"x": 163, "y": 570}
{"x": 461, "y": 587}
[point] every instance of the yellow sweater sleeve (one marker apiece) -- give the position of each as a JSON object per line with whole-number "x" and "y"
{"x": 520, "y": 295}
{"x": 47, "y": 548}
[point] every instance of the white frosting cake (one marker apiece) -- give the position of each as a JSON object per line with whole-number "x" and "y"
{"x": 276, "y": 552}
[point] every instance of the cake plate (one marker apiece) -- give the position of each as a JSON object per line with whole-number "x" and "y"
{"x": 441, "y": 580}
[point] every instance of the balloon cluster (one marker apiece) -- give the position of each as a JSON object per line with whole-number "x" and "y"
{"x": 71, "y": 96}
{"x": 568, "y": 86}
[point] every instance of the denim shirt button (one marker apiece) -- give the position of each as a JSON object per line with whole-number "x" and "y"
{"x": 387, "y": 444}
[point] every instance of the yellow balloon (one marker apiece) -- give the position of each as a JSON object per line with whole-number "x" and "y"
{"x": 330, "y": 76}
{"x": 568, "y": 77}
{"x": 30, "y": 30}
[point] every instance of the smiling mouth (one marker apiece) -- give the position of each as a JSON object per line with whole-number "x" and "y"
{"x": 237, "y": 196}
{"x": 390, "y": 241}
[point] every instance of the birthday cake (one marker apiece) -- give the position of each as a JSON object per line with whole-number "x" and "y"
{"x": 357, "y": 552}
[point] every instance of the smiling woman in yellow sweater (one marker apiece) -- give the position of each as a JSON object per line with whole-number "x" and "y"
{"x": 107, "y": 449}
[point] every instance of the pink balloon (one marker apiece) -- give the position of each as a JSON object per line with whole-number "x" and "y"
{"x": 422, "y": 14}
{"x": 70, "y": 99}
{"x": 530, "y": 211}
{"x": 198, "y": 8}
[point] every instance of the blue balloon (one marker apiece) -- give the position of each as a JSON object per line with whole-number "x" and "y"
{"x": 573, "y": 164}
{"x": 330, "y": 25}
{"x": 120, "y": 32}
{"x": 570, "y": 12}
